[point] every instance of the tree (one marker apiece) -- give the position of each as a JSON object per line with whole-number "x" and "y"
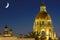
{"x": 34, "y": 35}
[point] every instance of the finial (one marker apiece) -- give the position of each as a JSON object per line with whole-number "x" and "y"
{"x": 11, "y": 30}
{"x": 42, "y": 1}
{"x": 6, "y": 26}
{"x": 43, "y": 7}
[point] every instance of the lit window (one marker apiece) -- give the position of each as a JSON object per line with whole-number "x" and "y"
{"x": 42, "y": 23}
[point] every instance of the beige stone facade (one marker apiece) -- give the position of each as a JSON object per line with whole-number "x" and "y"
{"x": 15, "y": 38}
{"x": 43, "y": 24}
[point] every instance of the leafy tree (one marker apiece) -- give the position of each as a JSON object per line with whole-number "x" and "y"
{"x": 34, "y": 35}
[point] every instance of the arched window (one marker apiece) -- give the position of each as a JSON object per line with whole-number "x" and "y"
{"x": 42, "y": 23}
{"x": 49, "y": 23}
{"x": 43, "y": 33}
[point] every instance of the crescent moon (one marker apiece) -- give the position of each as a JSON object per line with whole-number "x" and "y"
{"x": 7, "y": 5}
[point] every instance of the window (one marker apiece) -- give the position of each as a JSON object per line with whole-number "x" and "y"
{"x": 37, "y": 23}
{"x": 43, "y": 33}
{"x": 49, "y": 23}
{"x": 42, "y": 23}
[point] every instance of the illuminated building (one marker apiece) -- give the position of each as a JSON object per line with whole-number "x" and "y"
{"x": 43, "y": 24}
{"x": 7, "y": 33}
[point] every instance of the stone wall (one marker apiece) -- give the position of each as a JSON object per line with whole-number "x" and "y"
{"x": 15, "y": 38}
{"x": 8, "y": 38}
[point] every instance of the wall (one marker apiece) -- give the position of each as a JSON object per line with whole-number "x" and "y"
{"x": 15, "y": 38}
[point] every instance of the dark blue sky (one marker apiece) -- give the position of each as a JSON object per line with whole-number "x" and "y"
{"x": 21, "y": 14}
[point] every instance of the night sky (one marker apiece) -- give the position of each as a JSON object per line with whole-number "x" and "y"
{"x": 20, "y": 14}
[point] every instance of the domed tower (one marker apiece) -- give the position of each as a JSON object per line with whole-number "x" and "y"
{"x": 5, "y": 29}
{"x": 7, "y": 33}
{"x": 43, "y": 24}
{"x": 11, "y": 32}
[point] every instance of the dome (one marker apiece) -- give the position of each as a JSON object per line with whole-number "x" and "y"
{"x": 5, "y": 26}
{"x": 43, "y": 15}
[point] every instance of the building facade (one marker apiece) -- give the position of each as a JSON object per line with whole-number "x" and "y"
{"x": 43, "y": 24}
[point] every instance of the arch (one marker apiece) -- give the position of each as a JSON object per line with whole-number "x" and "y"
{"x": 43, "y": 33}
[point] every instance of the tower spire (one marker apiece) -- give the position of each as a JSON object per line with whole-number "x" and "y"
{"x": 42, "y": 1}
{"x": 43, "y": 7}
